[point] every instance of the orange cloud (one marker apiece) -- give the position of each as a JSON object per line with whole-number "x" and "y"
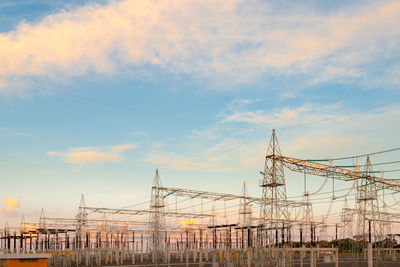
{"x": 176, "y": 35}
{"x": 91, "y": 154}
{"x": 10, "y": 206}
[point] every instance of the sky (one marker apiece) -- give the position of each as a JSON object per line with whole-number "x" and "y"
{"x": 95, "y": 95}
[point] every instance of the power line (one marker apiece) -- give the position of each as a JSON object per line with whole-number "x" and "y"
{"x": 102, "y": 102}
{"x": 117, "y": 106}
{"x": 398, "y": 170}
{"x": 363, "y": 155}
{"x": 384, "y": 163}
{"x": 372, "y": 164}
{"x": 163, "y": 115}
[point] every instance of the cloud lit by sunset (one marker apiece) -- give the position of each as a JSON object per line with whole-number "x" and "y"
{"x": 10, "y": 206}
{"x": 96, "y": 95}
{"x": 93, "y": 154}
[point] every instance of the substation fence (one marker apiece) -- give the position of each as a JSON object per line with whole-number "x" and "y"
{"x": 195, "y": 257}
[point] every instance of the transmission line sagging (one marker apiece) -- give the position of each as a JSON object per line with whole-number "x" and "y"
{"x": 349, "y": 213}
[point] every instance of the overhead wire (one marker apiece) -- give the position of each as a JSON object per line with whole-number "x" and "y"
{"x": 350, "y": 189}
{"x": 101, "y": 102}
{"x": 398, "y": 170}
{"x": 364, "y": 155}
{"x": 187, "y": 119}
{"x": 320, "y": 193}
{"x": 137, "y": 204}
{"x": 168, "y": 116}
{"x": 376, "y": 164}
{"x": 234, "y": 207}
{"x": 321, "y": 187}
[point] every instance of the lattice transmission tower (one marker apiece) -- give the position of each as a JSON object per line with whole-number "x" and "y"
{"x": 346, "y": 219}
{"x": 367, "y": 205}
{"x": 42, "y": 220}
{"x": 274, "y": 209}
{"x": 157, "y": 220}
{"x": 306, "y": 214}
{"x": 81, "y": 223}
{"x": 244, "y": 208}
{"x": 307, "y": 218}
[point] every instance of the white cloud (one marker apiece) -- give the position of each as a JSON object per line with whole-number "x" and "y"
{"x": 14, "y": 132}
{"x": 241, "y": 102}
{"x": 227, "y": 156}
{"x": 318, "y": 132}
{"x": 240, "y": 39}
{"x": 83, "y": 155}
{"x": 284, "y": 117}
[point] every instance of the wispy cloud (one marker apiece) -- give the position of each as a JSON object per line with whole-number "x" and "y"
{"x": 305, "y": 131}
{"x": 13, "y": 132}
{"x": 83, "y": 155}
{"x": 239, "y": 102}
{"x": 239, "y": 39}
{"x": 287, "y": 116}
{"x": 11, "y": 205}
{"x": 227, "y": 156}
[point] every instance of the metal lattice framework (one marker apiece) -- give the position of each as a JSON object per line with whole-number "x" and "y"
{"x": 367, "y": 204}
{"x": 306, "y": 219}
{"x": 334, "y": 172}
{"x": 81, "y": 221}
{"x": 189, "y": 193}
{"x": 369, "y": 214}
{"x": 273, "y": 184}
{"x": 145, "y": 212}
{"x": 367, "y": 187}
{"x": 346, "y": 219}
{"x": 244, "y": 208}
{"x": 157, "y": 220}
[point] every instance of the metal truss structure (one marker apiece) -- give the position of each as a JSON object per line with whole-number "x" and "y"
{"x": 274, "y": 208}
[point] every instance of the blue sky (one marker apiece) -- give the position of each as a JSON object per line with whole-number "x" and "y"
{"x": 95, "y": 95}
